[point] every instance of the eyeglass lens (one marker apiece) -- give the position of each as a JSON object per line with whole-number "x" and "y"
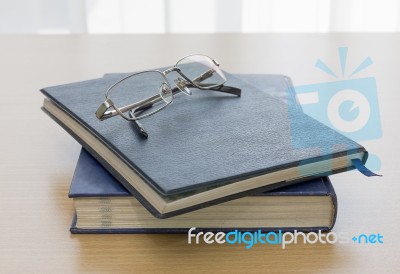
{"x": 138, "y": 88}
{"x": 202, "y": 70}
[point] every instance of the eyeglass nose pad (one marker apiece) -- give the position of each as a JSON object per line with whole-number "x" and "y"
{"x": 181, "y": 84}
{"x": 166, "y": 93}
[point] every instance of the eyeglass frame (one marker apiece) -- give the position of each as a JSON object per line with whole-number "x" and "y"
{"x": 103, "y": 114}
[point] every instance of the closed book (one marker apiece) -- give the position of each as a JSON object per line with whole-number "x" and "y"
{"x": 103, "y": 205}
{"x": 206, "y": 148}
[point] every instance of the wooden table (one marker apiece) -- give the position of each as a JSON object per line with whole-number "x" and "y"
{"x": 38, "y": 158}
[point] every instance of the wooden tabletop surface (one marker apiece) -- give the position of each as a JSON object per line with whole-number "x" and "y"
{"x": 38, "y": 158}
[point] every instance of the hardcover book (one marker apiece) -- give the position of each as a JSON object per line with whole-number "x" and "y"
{"x": 103, "y": 205}
{"x": 206, "y": 148}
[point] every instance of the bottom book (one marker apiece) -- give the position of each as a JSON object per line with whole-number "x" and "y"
{"x": 103, "y": 205}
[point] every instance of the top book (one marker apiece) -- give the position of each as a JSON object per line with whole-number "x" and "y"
{"x": 206, "y": 148}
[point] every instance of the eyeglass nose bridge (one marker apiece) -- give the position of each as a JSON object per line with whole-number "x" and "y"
{"x": 181, "y": 84}
{"x": 165, "y": 72}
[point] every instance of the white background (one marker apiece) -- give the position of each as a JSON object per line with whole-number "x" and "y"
{"x": 198, "y": 16}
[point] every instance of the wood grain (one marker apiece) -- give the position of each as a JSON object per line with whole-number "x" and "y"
{"x": 38, "y": 157}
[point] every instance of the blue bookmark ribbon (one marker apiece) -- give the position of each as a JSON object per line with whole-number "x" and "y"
{"x": 363, "y": 169}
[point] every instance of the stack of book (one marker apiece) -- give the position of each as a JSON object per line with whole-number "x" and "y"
{"x": 212, "y": 161}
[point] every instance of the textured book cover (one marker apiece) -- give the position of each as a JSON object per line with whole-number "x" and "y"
{"x": 206, "y": 148}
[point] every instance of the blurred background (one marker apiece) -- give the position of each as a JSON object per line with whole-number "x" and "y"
{"x": 198, "y": 16}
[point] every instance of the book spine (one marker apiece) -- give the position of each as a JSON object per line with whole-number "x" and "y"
{"x": 332, "y": 194}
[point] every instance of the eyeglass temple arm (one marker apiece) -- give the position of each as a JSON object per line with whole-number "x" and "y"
{"x": 136, "y": 123}
{"x": 141, "y": 129}
{"x": 222, "y": 88}
{"x": 103, "y": 111}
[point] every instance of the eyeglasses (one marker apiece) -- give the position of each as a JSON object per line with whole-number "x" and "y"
{"x": 128, "y": 97}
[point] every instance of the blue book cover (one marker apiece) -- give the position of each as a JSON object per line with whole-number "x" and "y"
{"x": 207, "y": 148}
{"x": 101, "y": 200}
